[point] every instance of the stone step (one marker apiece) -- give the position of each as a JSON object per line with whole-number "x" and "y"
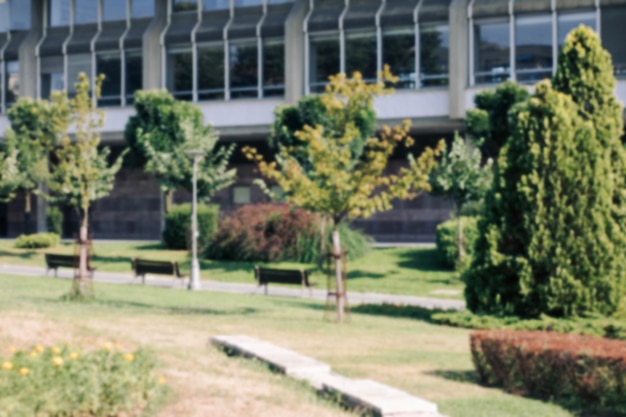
{"x": 364, "y": 395}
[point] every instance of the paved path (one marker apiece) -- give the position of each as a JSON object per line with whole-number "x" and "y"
{"x": 239, "y": 288}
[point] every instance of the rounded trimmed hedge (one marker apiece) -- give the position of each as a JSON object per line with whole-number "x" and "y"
{"x": 177, "y": 233}
{"x": 447, "y": 240}
{"x": 37, "y": 241}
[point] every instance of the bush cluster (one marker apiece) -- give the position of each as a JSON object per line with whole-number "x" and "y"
{"x": 448, "y": 240}
{"x": 54, "y": 220}
{"x": 37, "y": 241}
{"x": 60, "y": 382}
{"x": 177, "y": 233}
{"x": 277, "y": 232}
{"x": 554, "y": 366}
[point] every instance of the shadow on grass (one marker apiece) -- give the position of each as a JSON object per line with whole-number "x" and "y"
{"x": 359, "y": 273}
{"x": 31, "y": 254}
{"x": 397, "y": 311}
{"x": 421, "y": 259}
{"x": 458, "y": 376}
{"x": 151, "y": 246}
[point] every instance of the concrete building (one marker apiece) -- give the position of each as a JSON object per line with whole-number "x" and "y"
{"x": 239, "y": 59}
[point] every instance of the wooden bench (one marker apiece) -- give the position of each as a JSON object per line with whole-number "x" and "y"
{"x": 144, "y": 266}
{"x": 283, "y": 276}
{"x": 55, "y": 261}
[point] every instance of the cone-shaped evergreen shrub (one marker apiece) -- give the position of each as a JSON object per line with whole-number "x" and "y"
{"x": 552, "y": 239}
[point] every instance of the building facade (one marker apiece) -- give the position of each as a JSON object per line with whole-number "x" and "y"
{"x": 239, "y": 59}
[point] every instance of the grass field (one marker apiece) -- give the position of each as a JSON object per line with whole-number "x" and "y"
{"x": 429, "y": 361}
{"x": 408, "y": 271}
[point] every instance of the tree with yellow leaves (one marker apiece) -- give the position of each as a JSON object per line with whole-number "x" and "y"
{"x": 325, "y": 175}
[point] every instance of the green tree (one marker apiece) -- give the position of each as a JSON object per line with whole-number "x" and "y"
{"x": 10, "y": 175}
{"x": 553, "y": 239}
{"x": 487, "y": 125}
{"x": 175, "y": 168}
{"x": 158, "y": 119}
{"x": 463, "y": 178}
{"x": 82, "y": 173}
{"x": 335, "y": 183}
{"x": 35, "y": 129}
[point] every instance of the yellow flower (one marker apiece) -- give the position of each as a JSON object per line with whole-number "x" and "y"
{"x": 162, "y": 379}
{"x": 39, "y": 348}
{"x": 73, "y": 356}
{"x": 24, "y": 371}
{"x": 107, "y": 346}
{"x": 7, "y": 366}
{"x": 33, "y": 354}
{"x": 129, "y": 357}
{"x": 56, "y": 350}
{"x": 117, "y": 346}
{"x": 12, "y": 349}
{"x": 57, "y": 361}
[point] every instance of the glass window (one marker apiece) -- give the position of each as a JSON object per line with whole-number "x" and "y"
{"x": 492, "y": 46}
{"x": 4, "y": 17}
{"x": 86, "y": 11}
{"x": 399, "y": 54}
{"x": 12, "y": 82}
{"x": 533, "y": 48}
{"x": 246, "y": 3}
{"x": 434, "y": 44}
{"x": 20, "y": 15}
{"x": 361, "y": 55}
{"x": 185, "y": 5}
{"x": 59, "y": 12}
{"x": 180, "y": 74}
{"x": 279, "y": 1}
{"x": 273, "y": 68}
{"x": 51, "y": 82}
{"x": 569, "y": 21}
{"x": 211, "y": 72}
{"x": 613, "y": 20}
{"x": 134, "y": 75}
{"x": 111, "y": 66}
{"x": 244, "y": 69}
{"x": 75, "y": 65}
{"x": 323, "y": 60}
{"x": 142, "y": 8}
{"x": 113, "y": 10}
{"x": 216, "y": 4}
{"x": 241, "y": 195}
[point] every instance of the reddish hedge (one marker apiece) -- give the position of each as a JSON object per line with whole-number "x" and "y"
{"x": 552, "y": 365}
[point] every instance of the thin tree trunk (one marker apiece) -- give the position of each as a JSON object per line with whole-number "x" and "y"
{"x": 461, "y": 249}
{"x": 27, "y": 212}
{"x": 169, "y": 197}
{"x": 83, "y": 272}
{"x": 338, "y": 274}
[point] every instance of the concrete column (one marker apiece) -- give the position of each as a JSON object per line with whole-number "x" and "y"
{"x": 152, "y": 67}
{"x": 28, "y": 60}
{"x": 459, "y": 58}
{"x": 294, "y": 52}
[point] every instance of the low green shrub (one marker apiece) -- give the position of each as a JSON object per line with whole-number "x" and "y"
{"x": 564, "y": 368}
{"x": 278, "y": 232}
{"x": 60, "y": 382}
{"x": 177, "y": 233}
{"x": 447, "y": 240}
{"x": 54, "y": 220}
{"x": 37, "y": 241}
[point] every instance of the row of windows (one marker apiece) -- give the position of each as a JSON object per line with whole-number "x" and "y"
{"x": 196, "y": 5}
{"x": 525, "y": 48}
{"x": 86, "y": 11}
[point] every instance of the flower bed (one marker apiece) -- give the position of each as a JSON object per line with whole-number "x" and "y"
{"x": 555, "y": 366}
{"x": 55, "y": 382}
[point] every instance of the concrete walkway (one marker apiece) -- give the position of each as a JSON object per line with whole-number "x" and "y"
{"x": 240, "y": 288}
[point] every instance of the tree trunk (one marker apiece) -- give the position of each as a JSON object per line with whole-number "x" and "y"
{"x": 83, "y": 272}
{"x": 461, "y": 250}
{"x": 27, "y": 212}
{"x": 338, "y": 274}
{"x": 169, "y": 197}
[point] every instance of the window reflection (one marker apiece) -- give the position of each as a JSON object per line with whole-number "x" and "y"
{"x": 111, "y": 66}
{"x": 113, "y": 10}
{"x": 211, "y": 72}
{"x": 76, "y": 64}
{"x": 185, "y": 5}
{"x": 134, "y": 75}
{"x": 273, "y": 68}
{"x": 533, "y": 48}
{"x": 361, "y": 54}
{"x": 59, "y": 12}
{"x": 86, "y": 11}
{"x": 51, "y": 82}
{"x": 4, "y": 17}
{"x": 324, "y": 60}
{"x": 243, "y": 69}
{"x": 434, "y": 44}
{"x": 492, "y": 52}
{"x": 20, "y": 15}
{"x": 613, "y": 21}
{"x": 399, "y": 54}
{"x": 216, "y": 4}
{"x": 142, "y": 8}
{"x": 12, "y": 82}
{"x": 179, "y": 74}
{"x": 246, "y": 3}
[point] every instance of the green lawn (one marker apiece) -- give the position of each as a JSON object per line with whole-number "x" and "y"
{"x": 408, "y": 271}
{"x": 429, "y": 361}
